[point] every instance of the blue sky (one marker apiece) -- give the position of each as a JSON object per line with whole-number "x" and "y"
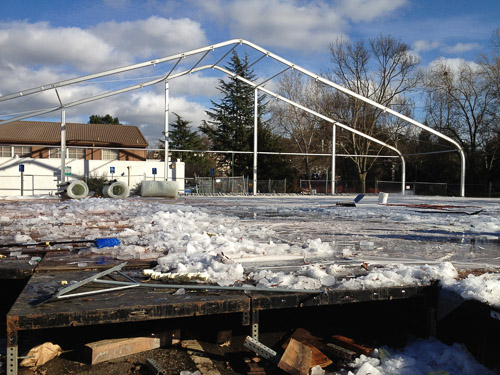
{"x": 44, "y": 41}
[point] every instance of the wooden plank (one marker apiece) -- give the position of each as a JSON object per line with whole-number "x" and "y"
{"x": 136, "y": 304}
{"x": 296, "y": 359}
{"x": 318, "y": 348}
{"x": 350, "y": 344}
{"x": 105, "y": 350}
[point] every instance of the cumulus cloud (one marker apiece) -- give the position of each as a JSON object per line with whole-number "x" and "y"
{"x": 105, "y": 46}
{"x": 279, "y": 23}
{"x": 41, "y": 54}
{"x": 295, "y": 24}
{"x": 452, "y": 64}
{"x": 40, "y": 44}
{"x": 153, "y": 37}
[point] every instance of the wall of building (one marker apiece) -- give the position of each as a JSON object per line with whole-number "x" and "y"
{"x": 41, "y": 176}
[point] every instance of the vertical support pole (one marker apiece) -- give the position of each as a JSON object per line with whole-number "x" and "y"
{"x": 255, "y": 123}
{"x": 22, "y": 184}
{"x": 166, "y": 129}
{"x": 403, "y": 175}
{"x": 334, "y": 141}
{"x": 462, "y": 173}
{"x": 63, "y": 145}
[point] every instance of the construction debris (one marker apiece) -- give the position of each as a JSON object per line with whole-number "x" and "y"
{"x": 305, "y": 354}
{"x": 154, "y": 367}
{"x": 105, "y": 350}
{"x": 41, "y": 354}
{"x": 350, "y": 344}
{"x": 296, "y": 359}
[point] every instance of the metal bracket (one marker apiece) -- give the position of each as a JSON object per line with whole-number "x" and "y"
{"x": 255, "y": 324}
{"x": 12, "y": 359}
{"x": 261, "y": 349}
{"x": 62, "y": 294}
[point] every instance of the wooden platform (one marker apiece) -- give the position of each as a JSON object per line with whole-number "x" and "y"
{"x": 58, "y": 270}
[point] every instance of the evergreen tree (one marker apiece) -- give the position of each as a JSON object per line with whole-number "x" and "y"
{"x": 231, "y": 122}
{"x": 108, "y": 119}
{"x": 182, "y": 137}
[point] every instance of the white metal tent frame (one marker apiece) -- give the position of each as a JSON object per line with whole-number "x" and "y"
{"x": 206, "y": 50}
{"x": 255, "y": 152}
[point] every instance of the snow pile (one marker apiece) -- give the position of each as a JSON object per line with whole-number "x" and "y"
{"x": 400, "y": 275}
{"x": 421, "y": 357}
{"x": 484, "y": 288}
{"x": 295, "y": 243}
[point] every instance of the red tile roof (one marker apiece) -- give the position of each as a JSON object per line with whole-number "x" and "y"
{"x": 48, "y": 133}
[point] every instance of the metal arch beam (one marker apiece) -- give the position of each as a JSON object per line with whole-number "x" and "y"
{"x": 118, "y": 70}
{"x": 333, "y": 122}
{"x": 371, "y": 102}
{"x": 235, "y": 43}
{"x": 228, "y": 72}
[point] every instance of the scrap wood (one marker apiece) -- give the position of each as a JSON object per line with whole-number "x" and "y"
{"x": 318, "y": 348}
{"x": 350, "y": 344}
{"x": 105, "y": 350}
{"x": 41, "y": 354}
{"x": 297, "y": 358}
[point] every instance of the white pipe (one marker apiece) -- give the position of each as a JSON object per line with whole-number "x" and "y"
{"x": 167, "y": 108}
{"x": 277, "y": 96}
{"x": 63, "y": 145}
{"x": 255, "y": 139}
{"x": 334, "y": 141}
{"x": 371, "y": 102}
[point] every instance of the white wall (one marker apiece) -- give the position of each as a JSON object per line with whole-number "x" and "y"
{"x": 42, "y": 175}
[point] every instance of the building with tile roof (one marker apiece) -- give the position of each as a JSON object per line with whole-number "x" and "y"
{"x": 41, "y": 140}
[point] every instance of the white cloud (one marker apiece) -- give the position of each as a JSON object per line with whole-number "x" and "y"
{"x": 424, "y": 45}
{"x": 461, "y": 48}
{"x": 36, "y": 44}
{"x": 153, "y": 37}
{"x": 40, "y": 54}
{"x": 196, "y": 85}
{"x": 295, "y": 24}
{"x": 368, "y": 10}
{"x": 108, "y": 45}
{"x": 452, "y": 63}
{"x": 280, "y": 23}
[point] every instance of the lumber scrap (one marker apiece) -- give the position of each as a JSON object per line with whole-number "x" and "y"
{"x": 105, "y": 350}
{"x": 296, "y": 359}
{"x": 319, "y": 350}
{"x": 350, "y": 344}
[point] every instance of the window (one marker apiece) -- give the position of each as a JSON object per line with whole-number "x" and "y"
{"x": 76, "y": 153}
{"x": 110, "y": 154}
{"x": 22, "y": 151}
{"x": 6, "y": 151}
{"x": 55, "y": 153}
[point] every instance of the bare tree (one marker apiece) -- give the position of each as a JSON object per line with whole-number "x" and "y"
{"x": 300, "y": 127}
{"x": 461, "y": 102}
{"x": 383, "y": 71}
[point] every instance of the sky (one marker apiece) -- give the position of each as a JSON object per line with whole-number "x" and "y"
{"x": 46, "y": 41}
